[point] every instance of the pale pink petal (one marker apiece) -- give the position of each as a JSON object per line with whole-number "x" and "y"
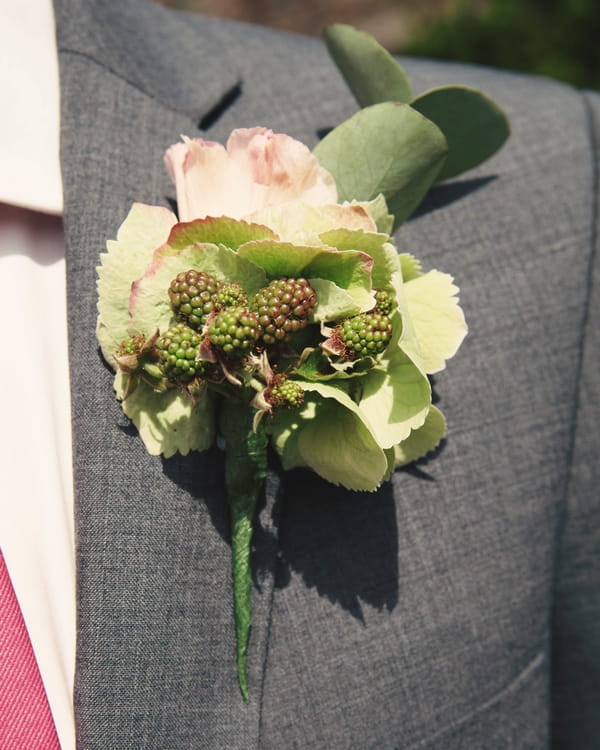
{"x": 258, "y": 169}
{"x": 207, "y": 182}
{"x": 283, "y": 166}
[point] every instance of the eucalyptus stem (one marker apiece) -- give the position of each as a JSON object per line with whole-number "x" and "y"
{"x": 245, "y": 471}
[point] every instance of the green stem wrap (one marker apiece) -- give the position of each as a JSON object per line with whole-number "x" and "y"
{"x": 245, "y": 471}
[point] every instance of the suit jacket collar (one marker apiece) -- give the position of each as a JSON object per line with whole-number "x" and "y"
{"x": 124, "y": 37}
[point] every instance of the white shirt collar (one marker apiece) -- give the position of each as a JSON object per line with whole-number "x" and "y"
{"x": 29, "y": 126}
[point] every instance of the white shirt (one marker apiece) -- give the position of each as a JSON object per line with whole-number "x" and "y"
{"x": 36, "y": 505}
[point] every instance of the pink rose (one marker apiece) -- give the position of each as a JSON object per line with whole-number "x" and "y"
{"x": 256, "y": 170}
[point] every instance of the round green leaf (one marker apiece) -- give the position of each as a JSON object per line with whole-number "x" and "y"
{"x": 370, "y": 71}
{"x": 474, "y": 125}
{"x": 388, "y": 148}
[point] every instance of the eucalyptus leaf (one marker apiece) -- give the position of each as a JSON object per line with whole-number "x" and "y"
{"x": 387, "y": 148}
{"x": 474, "y": 125}
{"x": 370, "y": 71}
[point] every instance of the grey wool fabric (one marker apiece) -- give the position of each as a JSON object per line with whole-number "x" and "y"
{"x": 458, "y": 606}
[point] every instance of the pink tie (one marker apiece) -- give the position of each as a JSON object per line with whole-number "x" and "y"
{"x": 25, "y": 719}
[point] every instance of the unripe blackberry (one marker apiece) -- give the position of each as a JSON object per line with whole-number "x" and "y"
{"x": 284, "y": 307}
{"x": 366, "y": 334}
{"x": 231, "y": 294}
{"x": 285, "y": 392}
{"x": 234, "y": 330}
{"x": 384, "y": 302}
{"x": 192, "y": 294}
{"x": 177, "y": 350}
{"x": 131, "y": 346}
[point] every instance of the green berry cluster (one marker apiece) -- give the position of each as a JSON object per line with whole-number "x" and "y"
{"x": 234, "y": 331}
{"x": 177, "y": 351}
{"x": 284, "y": 307}
{"x": 192, "y": 294}
{"x": 366, "y": 334}
{"x": 132, "y": 346}
{"x": 384, "y": 302}
{"x": 230, "y": 294}
{"x": 284, "y": 392}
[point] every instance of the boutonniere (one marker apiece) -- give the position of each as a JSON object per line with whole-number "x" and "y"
{"x": 275, "y": 309}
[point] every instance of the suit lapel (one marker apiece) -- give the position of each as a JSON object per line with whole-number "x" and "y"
{"x": 155, "y": 656}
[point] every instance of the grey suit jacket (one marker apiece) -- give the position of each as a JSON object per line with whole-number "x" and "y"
{"x": 457, "y": 607}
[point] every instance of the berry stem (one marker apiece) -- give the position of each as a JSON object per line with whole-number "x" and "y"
{"x": 245, "y": 471}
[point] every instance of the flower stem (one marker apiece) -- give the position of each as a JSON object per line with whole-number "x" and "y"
{"x": 245, "y": 471}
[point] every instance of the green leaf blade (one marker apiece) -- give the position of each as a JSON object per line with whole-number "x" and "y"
{"x": 473, "y": 124}
{"x": 387, "y": 148}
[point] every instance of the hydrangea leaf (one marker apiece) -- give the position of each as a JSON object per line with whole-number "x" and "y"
{"x": 220, "y": 230}
{"x": 378, "y": 246}
{"x": 350, "y": 270}
{"x": 370, "y": 71}
{"x": 144, "y": 229}
{"x": 170, "y": 422}
{"x": 335, "y": 303}
{"x": 396, "y": 399}
{"x": 331, "y": 439}
{"x": 474, "y": 125}
{"x": 387, "y": 148}
{"x": 149, "y": 303}
{"x": 437, "y": 319}
{"x": 422, "y": 440}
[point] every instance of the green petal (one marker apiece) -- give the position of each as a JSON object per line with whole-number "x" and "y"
{"x": 318, "y": 367}
{"x": 378, "y": 246}
{"x": 422, "y": 440}
{"x": 144, "y": 229}
{"x": 171, "y": 422}
{"x": 333, "y": 441}
{"x": 369, "y": 70}
{"x": 438, "y": 321}
{"x": 411, "y": 266}
{"x": 220, "y": 230}
{"x": 388, "y": 148}
{"x": 378, "y": 211}
{"x": 149, "y": 302}
{"x": 336, "y": 303}
{"x": 396, "y": 399}
{"x": 350, "y": 270}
